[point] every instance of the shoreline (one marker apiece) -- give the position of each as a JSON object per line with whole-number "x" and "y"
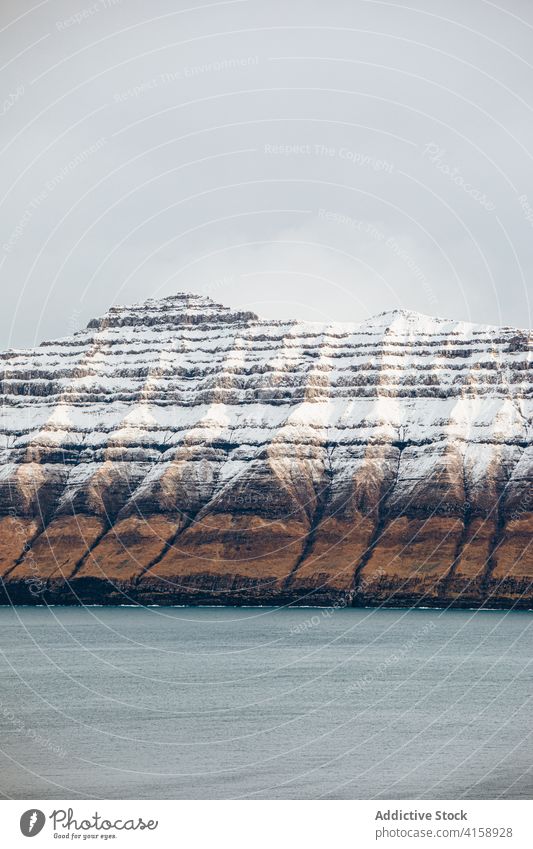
{"x": 523, "y": 608}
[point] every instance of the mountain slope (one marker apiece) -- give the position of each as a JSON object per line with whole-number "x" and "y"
{"x": 178, "y": 451}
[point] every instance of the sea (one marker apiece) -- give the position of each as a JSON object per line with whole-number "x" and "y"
{"x": 264, "y": 703}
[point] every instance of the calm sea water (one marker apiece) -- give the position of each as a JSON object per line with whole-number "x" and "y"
{"x": 263, "y": 703}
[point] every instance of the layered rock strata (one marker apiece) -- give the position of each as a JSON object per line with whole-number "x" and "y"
{"x": 180, "y": 452}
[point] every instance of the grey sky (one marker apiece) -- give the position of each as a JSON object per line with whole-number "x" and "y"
{"x": 307, "y": 159}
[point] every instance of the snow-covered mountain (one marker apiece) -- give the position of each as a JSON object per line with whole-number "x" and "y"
{"x": 178, "y": 451}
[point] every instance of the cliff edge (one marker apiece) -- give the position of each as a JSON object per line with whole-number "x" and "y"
{"x": 177, "y": 451}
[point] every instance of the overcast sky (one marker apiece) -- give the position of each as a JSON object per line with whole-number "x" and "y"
{"x": 309, "y": 159}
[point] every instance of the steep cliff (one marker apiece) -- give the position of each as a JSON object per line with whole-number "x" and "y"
{"x": 179, "y": 452}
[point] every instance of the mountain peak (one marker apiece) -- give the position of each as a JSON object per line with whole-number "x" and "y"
{"x": 188, "y": 308}
{"x": 174, "y": 310}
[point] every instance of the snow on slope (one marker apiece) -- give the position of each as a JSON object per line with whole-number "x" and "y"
{"x": 123, "y": 413}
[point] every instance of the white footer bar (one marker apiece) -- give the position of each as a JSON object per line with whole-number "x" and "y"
{"x": 268, "y": 824}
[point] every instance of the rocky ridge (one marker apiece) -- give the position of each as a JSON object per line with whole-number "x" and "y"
{"x": 177, "y": 451}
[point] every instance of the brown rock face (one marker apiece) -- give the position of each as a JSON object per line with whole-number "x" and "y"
{"x": 331, "y": 559}
{"x": 53, "y": 557}
{"x": 411, "y": 559}
{"x": 178, "y": 452}
{"x": 466, "y": 578}
{"x": 16, "y": 536}
{"x": 513, "y": 562}
{"x": 126, "y": 550}
{"x": 229, "y": 559}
